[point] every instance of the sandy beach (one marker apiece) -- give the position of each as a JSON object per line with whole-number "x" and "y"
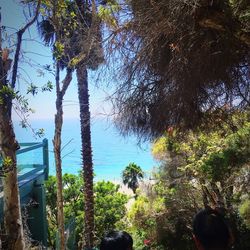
{"x": 144, "y": 186}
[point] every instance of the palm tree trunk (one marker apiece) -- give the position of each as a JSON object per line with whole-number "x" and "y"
{"x": 82, "y": 78}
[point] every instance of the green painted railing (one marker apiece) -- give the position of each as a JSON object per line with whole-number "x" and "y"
{"x": 31, "y": 179}
{"x": 27, "y": 147}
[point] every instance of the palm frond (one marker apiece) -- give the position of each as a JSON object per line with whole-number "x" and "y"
{"x": 46, "y": 31}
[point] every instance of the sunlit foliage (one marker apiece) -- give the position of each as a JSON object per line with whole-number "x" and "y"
{"x": 109, "y": 206}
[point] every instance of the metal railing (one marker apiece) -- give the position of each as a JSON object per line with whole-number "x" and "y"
{"x": 31, "y": 177}
{"x": 26, "y": 147}
{"x": 35, "y": 170}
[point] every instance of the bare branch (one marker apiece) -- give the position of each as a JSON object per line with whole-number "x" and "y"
{"x": 66, "y": 81}
{"x": 19, "y": 43}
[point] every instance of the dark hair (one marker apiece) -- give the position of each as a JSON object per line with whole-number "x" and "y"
{"x": 211, "y": 229}
{"x": 116, "y": 240}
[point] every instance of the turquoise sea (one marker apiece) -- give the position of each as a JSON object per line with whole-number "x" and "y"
{"x": 111, "y": 151}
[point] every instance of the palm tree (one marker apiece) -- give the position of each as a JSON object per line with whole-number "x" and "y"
{"x": 92, "y": 59}
{"x": 87, "y": 162}
{"x": 82, "y": 50}
{"x": 131, "y": 176}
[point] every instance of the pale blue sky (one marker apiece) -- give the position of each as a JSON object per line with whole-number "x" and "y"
{"x": 35, "y": 53}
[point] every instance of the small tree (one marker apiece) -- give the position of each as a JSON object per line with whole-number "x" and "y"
{"x": 131, "y": 176}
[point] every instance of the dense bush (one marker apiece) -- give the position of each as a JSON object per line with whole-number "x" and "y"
{"x": 206, "y": 167}
{"x": 109, "y": 206}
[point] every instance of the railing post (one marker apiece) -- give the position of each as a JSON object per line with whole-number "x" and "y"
{"x": 37, "y": 220}
{"x": 46, "y": 158}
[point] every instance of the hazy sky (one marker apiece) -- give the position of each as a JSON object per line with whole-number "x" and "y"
{"x": 34, "y": 56}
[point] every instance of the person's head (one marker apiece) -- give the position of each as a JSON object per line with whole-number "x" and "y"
{"x": 211, "y": 231}
{"x": 117, "y": 240}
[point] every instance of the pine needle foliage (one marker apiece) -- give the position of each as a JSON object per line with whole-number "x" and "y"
{"x": 182, "y": 59}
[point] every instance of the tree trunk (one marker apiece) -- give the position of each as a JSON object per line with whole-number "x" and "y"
{"x": 83, "y": 96}
{"x": 57, "y": 151}
{"x": 58, "y": 161}
{"x": 12, "y": 210}
{"x": 8, "y": 147}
